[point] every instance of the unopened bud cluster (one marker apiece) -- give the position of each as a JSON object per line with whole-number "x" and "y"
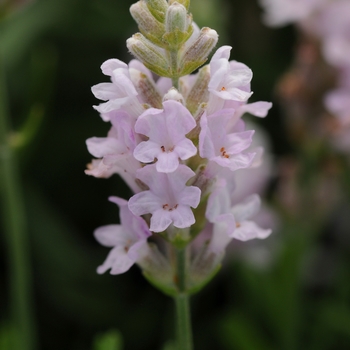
{"x": 177, "y": 141}
{"x": 163, "y": 43}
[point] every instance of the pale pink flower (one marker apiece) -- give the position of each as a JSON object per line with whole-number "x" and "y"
{"x": 232, "y": 221}
{"x": 120, "y": 93}
{"x": 168, "y": 199}
{"x": 128, "y": 240}
{"x": 116, "y": 151}
{"x": 219, "y": 145}
{"x": 166, "y": 130}
{"x": 228, "y": 80}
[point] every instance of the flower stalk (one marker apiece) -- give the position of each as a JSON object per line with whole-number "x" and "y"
{"x": 183, "y": 322}
{"x": 182, "y": 301}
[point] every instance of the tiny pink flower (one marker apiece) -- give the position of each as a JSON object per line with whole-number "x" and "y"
{"x": 168, "y": 199}
{"x": 127, "y": 240}
{"x": 228, "y": 80}
{"x": 116, "y": 151}
{"x": 232, "y": 221}
{"x": 166, "y": 130}
{"x": 245, "y": 228}
{"x": 120, "y": 93}
{"x": 225, "y": 149}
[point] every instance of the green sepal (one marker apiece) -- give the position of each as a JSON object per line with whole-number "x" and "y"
{"x": 176, "y": 38}
{"x": 199, "y": 285}
{"x": 169, "y": 289}
{"x": 158, "y": 8}
{"x": 190, "y": 67}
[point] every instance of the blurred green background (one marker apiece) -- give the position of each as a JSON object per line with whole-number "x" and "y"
{"x": 51, "y": 53}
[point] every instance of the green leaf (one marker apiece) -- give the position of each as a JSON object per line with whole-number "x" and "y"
{"x": 242, "y": 333}
{"x": 111, "y": 340}
{"x": 7, "y": 337}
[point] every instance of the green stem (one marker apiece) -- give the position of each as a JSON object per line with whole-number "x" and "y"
{"x": 184, "y": 330}
{"x": 15, "y": 233}
{"x": 173, "y": 55}
{"x": 183, "y": 318}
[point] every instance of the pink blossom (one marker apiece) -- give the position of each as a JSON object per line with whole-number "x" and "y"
{"x": 120, "y": 93}
{"x": 168, "y": 198}
{"x": 232, "y": 221}
{"x": 116, "y": 151}
{"x": 128, "y": 240}
{"x": 225, "y": 149}
{"x": 228, "y": 80}
{"x": 166, "y": 130}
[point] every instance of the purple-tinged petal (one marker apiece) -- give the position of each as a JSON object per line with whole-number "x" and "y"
{"x": 101, "y": 146}
{"x": 247, "y": 208}
{"x": 135, "y": 64}
{"x": 206, "y": 143}
{"x": 144, "y": 202}
{"x": 137, "y": 227}
{"x": 239, "y": 161}
{"x": 111, "y": 235}
{"x": 160, "y": 220}
{"x": 190, "y": 196}
{"x": 182, "y": 216}
{"x": 147, "y": 151}
{"x": 238, "y": 142}
{"x": 167, "y": 162}
{"x": 179, "y": 178}
{"x": 112, "y": 64}
{"x": 222, "y": 52}
{"x": 219, "y": 201}
{"x": 185, "y": 149}
{"x": 258, "y": 109}
{"x": 250, "y": 230}
{"x": 223, "y": 230}
{"x": 117, "y": 260}
{"x": 104, "y": 91}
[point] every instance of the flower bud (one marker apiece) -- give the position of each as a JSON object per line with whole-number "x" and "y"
{"x": 177, "y": 25}
{"x": 150, "y": 55}
{"x": 148, "y": 25}
{"x": 185, "y": 3}
{"x": 146, "y": 88}
{"x": 199, "y": 92}
{"x": 197, "y": 53}
{"x": 157, "y": 8}
{"x": 174, "y": 95}
{"x": 176, "y": 18}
